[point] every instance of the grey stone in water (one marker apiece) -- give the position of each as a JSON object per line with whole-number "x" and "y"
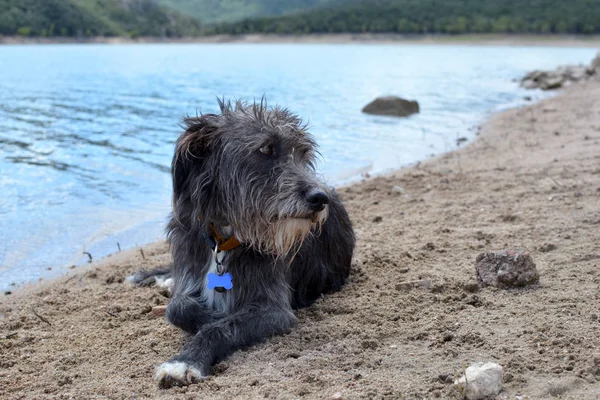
{"x": 529, "y": 84}
{"x": 506, "y": 269}
{"x": 481, "y": 381}
{"x": 393, "y": 106}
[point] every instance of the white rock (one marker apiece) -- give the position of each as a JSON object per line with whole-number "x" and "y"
{"x": 481, "y": 380}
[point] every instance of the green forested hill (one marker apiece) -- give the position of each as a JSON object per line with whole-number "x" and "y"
{"x": 93, "y": 18}
{"x": 434, "y": 16}
{"x": 233, "y": 10}
{"x": 166, "y": 17}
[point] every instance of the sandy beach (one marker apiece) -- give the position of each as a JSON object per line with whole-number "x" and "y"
{"x": 590, "y": 41}
{"x": 531, "y": 179}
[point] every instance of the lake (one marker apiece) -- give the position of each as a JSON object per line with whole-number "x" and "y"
{"x": 87, "y": 131}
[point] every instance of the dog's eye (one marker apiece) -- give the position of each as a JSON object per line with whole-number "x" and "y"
{"x": 268, "y": 150}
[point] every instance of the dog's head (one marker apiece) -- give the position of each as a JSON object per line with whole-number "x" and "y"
{"x": 251, "y": 167}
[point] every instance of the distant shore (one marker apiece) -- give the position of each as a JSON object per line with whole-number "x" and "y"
{"x": 346, "y": 38}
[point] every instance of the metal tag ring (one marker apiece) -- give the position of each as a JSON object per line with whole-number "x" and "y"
{"x": 217, "y": 261}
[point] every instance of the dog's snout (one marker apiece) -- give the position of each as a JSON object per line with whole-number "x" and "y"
{"x": 317, "y": 199}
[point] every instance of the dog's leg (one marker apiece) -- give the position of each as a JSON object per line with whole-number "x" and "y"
{"x": 158, "y": 276}
{"x": 187, "y": 309}
{"x": 219, "y": 339}
{"x": 188, "y": 313}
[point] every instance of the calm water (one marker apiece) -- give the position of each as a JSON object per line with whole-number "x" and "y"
{"x": 87, "y": 131}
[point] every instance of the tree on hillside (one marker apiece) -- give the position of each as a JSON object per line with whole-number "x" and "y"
{"x": 434, "y": 16}
{"x": 93, "y": 18}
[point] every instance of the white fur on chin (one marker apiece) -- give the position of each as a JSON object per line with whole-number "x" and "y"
{"x": 289, "y": 232}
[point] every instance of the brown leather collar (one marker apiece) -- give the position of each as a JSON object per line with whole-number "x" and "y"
{"x": 224, "y": 244}
{"x": 215, "y": 239}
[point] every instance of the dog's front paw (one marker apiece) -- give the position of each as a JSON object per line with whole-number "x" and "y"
{"x": 177, "y": 373}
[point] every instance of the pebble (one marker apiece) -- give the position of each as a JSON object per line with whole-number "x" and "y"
{"x": 547, "y": 247}
{"x": 419, "y": 284}
{"x": 448, "y": 336}
{"x": 481, "y": 380}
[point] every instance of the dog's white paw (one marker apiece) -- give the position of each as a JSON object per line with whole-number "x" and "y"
{"x": 177, "y": 373}
{"x": 164, "y": 282}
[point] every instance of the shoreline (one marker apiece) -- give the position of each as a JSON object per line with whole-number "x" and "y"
{"x": 531, "y": 178}
{"x": 346, "y": 38}
{"x": 359, "y": 175}
{"x": 110, "y": 245}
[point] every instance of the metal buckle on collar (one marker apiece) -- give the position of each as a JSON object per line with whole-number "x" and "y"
{"x": 213, "y": 238}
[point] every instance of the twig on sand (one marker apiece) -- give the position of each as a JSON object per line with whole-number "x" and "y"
{"x": 40, "y": 317}
{"x": 159, "y": 310}
{"x": 112, "y": 314}
{"x": 555, "y": 181}
{"x": 119, "y": 246}
{"x": 89, "y": 255}
{"x": 71, "y": 278}
{"x": 10, "y": 335}
{"x": 143, "y": 256}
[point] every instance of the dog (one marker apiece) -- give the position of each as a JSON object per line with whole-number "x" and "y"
{"x": 254, "y": 234}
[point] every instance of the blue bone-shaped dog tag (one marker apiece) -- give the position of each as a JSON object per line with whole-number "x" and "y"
{"x": 220, "y": 283}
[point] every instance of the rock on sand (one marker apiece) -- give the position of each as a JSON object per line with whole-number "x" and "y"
{"x": 561, "y": 76}
{"x": 506, "y": 269}
{"x": 481, "y": 381}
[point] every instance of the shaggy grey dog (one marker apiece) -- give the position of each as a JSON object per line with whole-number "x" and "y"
{"x": 254, "y": 234}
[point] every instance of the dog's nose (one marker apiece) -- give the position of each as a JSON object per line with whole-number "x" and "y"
{"x": 317, "y": 199}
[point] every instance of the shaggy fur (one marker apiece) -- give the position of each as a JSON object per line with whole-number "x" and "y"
{"x": 250, "y": 173}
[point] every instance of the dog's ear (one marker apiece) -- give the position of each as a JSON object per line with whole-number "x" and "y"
{"x": 192, "y": 148}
